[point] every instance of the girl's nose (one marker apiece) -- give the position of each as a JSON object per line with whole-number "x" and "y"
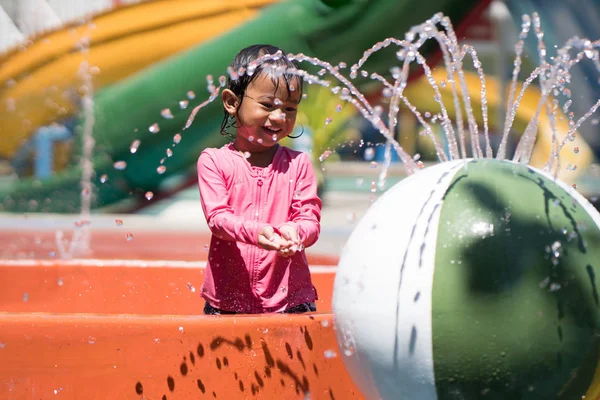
{"x": 277, "y": 115}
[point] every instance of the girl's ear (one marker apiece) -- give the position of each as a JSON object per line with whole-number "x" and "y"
{"x": 230, "y": 101}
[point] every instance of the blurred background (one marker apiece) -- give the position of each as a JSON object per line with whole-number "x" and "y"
{"x": 94, "y": 96}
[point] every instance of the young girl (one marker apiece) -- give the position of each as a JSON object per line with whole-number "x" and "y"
{"x": 259, "y": 198}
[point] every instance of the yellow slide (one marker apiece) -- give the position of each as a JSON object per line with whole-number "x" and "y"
{"x": 577, "y": 152}
{"x": 37, "y": 84}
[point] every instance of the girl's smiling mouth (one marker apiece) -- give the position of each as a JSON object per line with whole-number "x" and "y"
{"x": 271, "y": 129}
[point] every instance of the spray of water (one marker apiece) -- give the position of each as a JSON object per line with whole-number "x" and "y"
{"x": 80, "y": 242}
{"x": 552, "y": 75}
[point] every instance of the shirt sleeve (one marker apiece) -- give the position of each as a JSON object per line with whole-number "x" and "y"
{"x": 305, "y": 210}
{"x": 221, "y": 220}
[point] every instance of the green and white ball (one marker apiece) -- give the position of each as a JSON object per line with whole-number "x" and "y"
{"x": 472, "y": 279}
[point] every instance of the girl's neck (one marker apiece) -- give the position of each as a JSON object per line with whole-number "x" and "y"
{"x": 259, "y": 159}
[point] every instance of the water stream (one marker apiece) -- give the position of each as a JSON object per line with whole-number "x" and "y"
{"x": 80, "y": 243}
{"x": 552, "y": 74}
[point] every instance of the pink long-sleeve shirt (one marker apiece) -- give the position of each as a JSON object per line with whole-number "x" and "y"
{"x": 238, "y": 200}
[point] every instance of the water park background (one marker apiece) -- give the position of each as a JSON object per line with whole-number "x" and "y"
{"x": 100, "y": 213}
{"x": 143, "y": 66}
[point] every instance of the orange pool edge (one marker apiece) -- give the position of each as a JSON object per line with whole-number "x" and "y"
{"x": 124, "y": 244}
{"x": 133, "y": 329}
{"x": 77, "y": 356}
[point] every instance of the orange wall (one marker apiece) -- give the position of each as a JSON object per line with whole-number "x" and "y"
{"x": 82, "y": 356}
{"x": 116, "y": 287}
{"x": 117, "y": 329}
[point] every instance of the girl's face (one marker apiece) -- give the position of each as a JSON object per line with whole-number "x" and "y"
{"x": 267, "y": 113}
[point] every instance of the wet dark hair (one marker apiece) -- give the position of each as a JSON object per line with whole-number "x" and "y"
{"x": 241, "y": 62}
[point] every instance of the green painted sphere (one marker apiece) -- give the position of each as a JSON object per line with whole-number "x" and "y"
{"x": 515, "y": 297}
{"x": 473, "y": 279}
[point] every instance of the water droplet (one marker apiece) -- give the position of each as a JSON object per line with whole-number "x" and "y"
{"x": 324, "y": 156}
{"x": 154, "y": 128}
{"x": 369, "y": 154}
{"x": 25, "y": 297}
{"x": 91, "y": 340}
{"x": 191, "y": 95}
{"x": 247, "y": 154}
{"x": 120, "y": 165}
{"x": 169, "y": 152}
{"x": 60, "y": 282}
{"x": 103, "y": 178}
{"x": 574, "y": 186}
{"x": 166, "y": 113}
{"x": 556, "y": 248}
{"x": 373, "y": 187}
{"x": 274, "y": 137}
{"x": 177, "y": 138}
{"x": 330, "y": 354}
{"x": 554, "y": 287}
{"x": 259, "y": 141}
{"x": 373, "y": 164}
{"x": 191, "y": 287}
{"x": 161, "y": 169}
{"x": 181, "y": 329}
{"x": 11, "y": 105}
{"x": 119, "y": 222}
{"x": 327, "y": 121}
{"x": 251, "y": 139}
{"x": 351, "y": 217}
{"x": 338, "y": 108}
{"x": 129, "y": 236}
{"x": 2, "y": 345}
{"x": 183, "y": 104}
{"x": 134, "y": 146}
{"x": 359, "y": 182}
{"x": 149, "y": 195}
